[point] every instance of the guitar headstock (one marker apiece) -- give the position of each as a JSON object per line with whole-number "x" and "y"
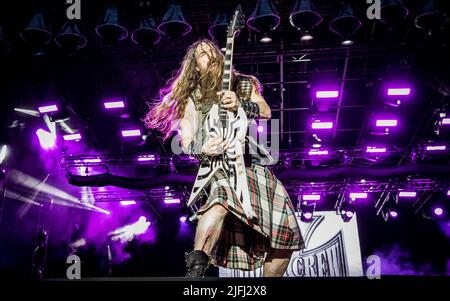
{"x": 237, "y": 22}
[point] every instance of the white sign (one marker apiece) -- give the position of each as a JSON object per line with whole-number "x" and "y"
{"x": 332, "y": 250}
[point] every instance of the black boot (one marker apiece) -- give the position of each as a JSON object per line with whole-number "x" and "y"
{"x": 196, "y": 263}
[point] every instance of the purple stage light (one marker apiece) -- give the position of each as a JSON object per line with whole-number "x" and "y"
{"x": 145, "y": 158}
{"x": 308, "y": 215}
{"x": 387, "y": 122}
{"x": 434, "y": 148}
{"x": 448, "y": 192}
{"x": 131, "y": 133}
{"x": 72, "y": 137}
{"x": 393, "y": 214}
{"x": 398, "y": 91}
{"x": 260, "y": 128}
{"x": 46, "y": 139}
{"x": 311, "y": 197}
{"x": 375, "y": 149}
{"x": 407, "y": 194}
{"x": 94, "y": 160}
{"x": 438, "y": 211}
{"x": 170, "y": 201}
{"x": 327, "y": 94}
{"x": 358, "y": 195}
{"x": 349, "y": 214}
{"x": 114, "y": 104}
{"x": 321, "y": 125}
{"x": 48, "y": 109}
{"x": 183, "y": 219}
{"x": 317, "y": 152}
{"x": 127, "y": 203}
{"x": 446, "y": 121}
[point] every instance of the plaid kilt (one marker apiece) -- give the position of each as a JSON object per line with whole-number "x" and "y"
{"x": 244, "y": 243}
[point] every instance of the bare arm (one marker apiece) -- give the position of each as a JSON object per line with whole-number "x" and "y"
{"x": 187, "y": 125}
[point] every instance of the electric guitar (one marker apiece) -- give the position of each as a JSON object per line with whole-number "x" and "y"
{"x": 231, "y": 126}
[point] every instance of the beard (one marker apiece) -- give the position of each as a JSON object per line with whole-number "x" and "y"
{"x": 211, "y": 83}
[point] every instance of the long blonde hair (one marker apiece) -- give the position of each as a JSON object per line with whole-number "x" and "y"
{"x": 169, "y": 106}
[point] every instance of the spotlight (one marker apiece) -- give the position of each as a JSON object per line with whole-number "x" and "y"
{"x": 127, "y": 203}
{"x": 3, "y": 153}
{"x": 266, "y": 39}
{"x": 407, "y": 194}
{"x": 347, "y": 42}
{"x": 173, "y": 23}
{"x": 306, "y": 37}
{"x": 264, "y": 19}
{"x": 393, "y": 11}
{"x": 146, "y": 35}
{"x": 321, "y": 125}
{"x": 435, "y": 147}
{"x": 37, "y": 33}
{"x": 317, "y": 152}
{"x": 346, "y": 211}
{"x": 438, "y": 211}
{"x": 357, "y": 195}
{"x": 5, "y": 45}
{"x": 375, "y": 149}
{"x": 170, "y": 201}
{"x": 145, "y": 158}
{"x": 72, "y": 137}
{"x": 46, "y": 139}
{"x": 386, "y": 122}
{"x": 327, "y": 94}
{"x": 183, "y": 219}
{"x": 304, "y": 17}
{"x": 70, "y": 37}
{"x": 393, "y": 213}
{"x": 48, "y": 109}
{"x": 131, "y": 133}
{"x": 345, "y": 24}
{"x": 398, "y": 91}
{"x": 445, "y": 121}
{"x": 218, "y": 29}
{"x": 430, "y": 18}
{"x": 114, "y": 103}
{"x": 110, "y": 29}
{"x": 311, "y": 197}
{"x": 307, "y": 210}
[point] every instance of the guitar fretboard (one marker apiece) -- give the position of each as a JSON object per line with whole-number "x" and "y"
{"x": 227, "y": 69}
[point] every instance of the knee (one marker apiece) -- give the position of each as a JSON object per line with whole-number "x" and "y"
{"x": 218, "y": 211}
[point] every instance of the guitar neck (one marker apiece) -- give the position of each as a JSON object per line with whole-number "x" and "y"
{"x": 228, "y": 65}
{"x": 227, "y": 75}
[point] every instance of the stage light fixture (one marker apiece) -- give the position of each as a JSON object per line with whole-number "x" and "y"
{"x": 146, "y": 35}
{"x": 110, "y": 30}
{"x": 70, "y": 37}
{"x": 264, "y": 20}
{"x": 218, "y": 29}
{"x": 304, "y": 17}
{"x": 345, "y": 24}
{"x": 173, "y": 23}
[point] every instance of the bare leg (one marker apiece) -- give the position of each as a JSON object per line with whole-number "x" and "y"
{"x": 209, "y": 228}
{"x": 276, "y": 262}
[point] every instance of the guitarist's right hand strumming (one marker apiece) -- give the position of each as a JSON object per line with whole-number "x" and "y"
{"x": 215, "y": 146}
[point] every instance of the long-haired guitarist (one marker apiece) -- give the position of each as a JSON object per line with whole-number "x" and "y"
{"x": 226, "y": 236}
